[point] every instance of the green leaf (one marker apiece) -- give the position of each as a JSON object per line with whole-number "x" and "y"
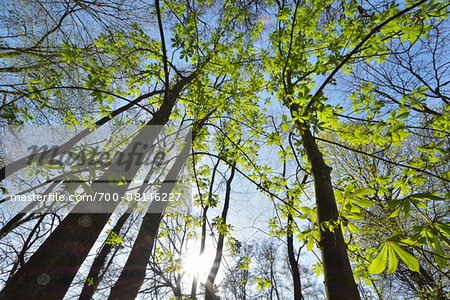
{"x": 393, "y": 263}
{"x": 426, "y": 196}
{"x": 360, "y": 192}
{"x": 419, "y": 204}
{"x": 394, "y": 203}
{"x": 304, "y": 234}
{"x": 409, "y": 242}
{"x": 379, "y": 263}
{"x": 396, "y": 211}
{"x": 310, "y": 244}
{"x": 352, "y": 228}
{"x": 440, "y": 261}
{"x": 348, "y": 189}
{"x": 403, "y": 115}
{"x": 363, "y": 202}
{"x": 443, "y": 228}
{"x": 410, "y": 261}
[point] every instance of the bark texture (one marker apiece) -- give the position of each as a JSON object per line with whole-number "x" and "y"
{"x": 339, "y": 281}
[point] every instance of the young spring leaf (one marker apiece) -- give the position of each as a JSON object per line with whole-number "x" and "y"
{"x": 410, "y": 261}
{"x": 393, "y": 263}
{"x": 379, "y": 263}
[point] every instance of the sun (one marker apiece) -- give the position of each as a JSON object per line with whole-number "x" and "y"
{"x": 194, "y": 264}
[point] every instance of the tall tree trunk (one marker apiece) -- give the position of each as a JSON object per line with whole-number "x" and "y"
{"x": 292, "y": 261}
{"x": 339, "y": 281}
{"x": 209, "y": 286}
{"x": 91, "y": 284}
{"x": 133, "y": 273}
{"x": 93, "y": 278}
{"x": 202, "y": 250}
{"x": 204, "y": 218}
{"x": 51, "y": 269}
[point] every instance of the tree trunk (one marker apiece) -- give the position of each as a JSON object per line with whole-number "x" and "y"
{"x": 202, "y": 249}
{"x": 292, "y": 261}
{"x": 93, "y": 278}
{"x": 133, "y": 273}
{"x": 339, "y": 281}
{"x": 209, "y": 286}
{"x": 204, "y": 218}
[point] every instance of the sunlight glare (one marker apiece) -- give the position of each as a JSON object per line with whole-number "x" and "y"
{"x": 194, "y": 264}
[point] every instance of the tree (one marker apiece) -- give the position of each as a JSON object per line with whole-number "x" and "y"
{"x": 420, "y": 174}
{"x": 260, "y": 271}
{"x": 381, "y": 222}
{"x": 294, "y": 81}
{"x": 99, "y": 83}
